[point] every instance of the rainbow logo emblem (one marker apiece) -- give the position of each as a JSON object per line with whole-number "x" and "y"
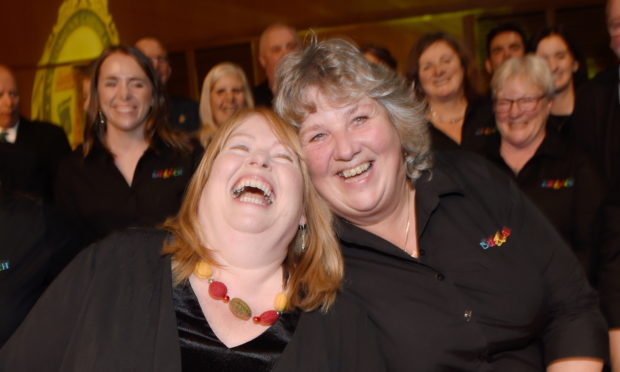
{"x": 558, "y": 184}
{"x": 167, "y": 173}
{"x": 496, "y": 240}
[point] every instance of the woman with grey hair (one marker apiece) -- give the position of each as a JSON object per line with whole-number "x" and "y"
{"x": 458, "y": 270}
{"x": 557, "y": 176}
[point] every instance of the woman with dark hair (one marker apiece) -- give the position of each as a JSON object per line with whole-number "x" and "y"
{"x": 133, "y": 168}
{"x": 441, "y": 74}
{"x": 457, "y": 269}
{"x": 569, "y": 72}
{"x": 244, "y": 278}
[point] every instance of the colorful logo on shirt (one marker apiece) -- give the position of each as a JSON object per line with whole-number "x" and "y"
{"x": 496, "y": 240}
{"x": 558, "y": 184}
{"x": 167, "y": 173}
{"x": 486, "y": 131}
{"x": 4, "y": 265}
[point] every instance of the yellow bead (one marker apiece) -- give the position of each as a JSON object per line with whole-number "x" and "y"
{"x": 203, "y": 270}
{"x": 279, "y": 304}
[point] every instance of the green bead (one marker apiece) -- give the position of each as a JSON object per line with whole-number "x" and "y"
{"x": 240, "y": 309}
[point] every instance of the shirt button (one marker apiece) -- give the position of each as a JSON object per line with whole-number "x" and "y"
{"x": 467, "y": 315}
{"x": 440, "y": 276}
{"x": 422, "y": 252}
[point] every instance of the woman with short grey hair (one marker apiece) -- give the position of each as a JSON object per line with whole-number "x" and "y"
{"x": 557, "y": 176}
{"x": 458, "y": 270}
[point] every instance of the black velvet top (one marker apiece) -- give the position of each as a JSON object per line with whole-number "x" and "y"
{"x": 201, "y": 350}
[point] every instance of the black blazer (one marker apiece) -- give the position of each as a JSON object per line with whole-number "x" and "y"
{"x": 29, "y": 165}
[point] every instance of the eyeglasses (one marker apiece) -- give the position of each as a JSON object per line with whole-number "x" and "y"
{"x": 504, "y": 105}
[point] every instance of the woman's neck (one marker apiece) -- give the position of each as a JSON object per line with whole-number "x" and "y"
{"x": 517, "y": 156}
{"x": 399, "y": 226}
{"x": 448, "y": 116}
{"x": 564, "y": 101}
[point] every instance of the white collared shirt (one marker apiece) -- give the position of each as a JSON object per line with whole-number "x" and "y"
{"x": 12, "y": 133}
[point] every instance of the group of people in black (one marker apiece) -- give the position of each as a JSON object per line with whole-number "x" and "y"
{"x": 442, "y": 263}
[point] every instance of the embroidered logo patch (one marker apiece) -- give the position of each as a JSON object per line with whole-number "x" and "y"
{"x": 558, "y": 184}
{"x": 167, "y": 173}
{"x": 4, "y": 265}
{"x": 496, "y": 240}
{"x": 486, "y": 131}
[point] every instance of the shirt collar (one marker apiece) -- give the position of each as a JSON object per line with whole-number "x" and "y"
{"x": 431, "y": 187}
{"x": 12, "y": 132}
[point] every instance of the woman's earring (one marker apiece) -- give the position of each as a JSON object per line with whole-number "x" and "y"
{"x": 300, "y": 239}
{"x": 101, "y": 118}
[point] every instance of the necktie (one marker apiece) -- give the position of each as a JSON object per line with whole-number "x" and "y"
{"x": 4, "y": 136}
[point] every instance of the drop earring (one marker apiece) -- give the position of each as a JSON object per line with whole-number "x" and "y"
{"x": 300, "y": 239}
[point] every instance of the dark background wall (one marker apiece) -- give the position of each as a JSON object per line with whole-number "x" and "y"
{"x": 200, "y": 34}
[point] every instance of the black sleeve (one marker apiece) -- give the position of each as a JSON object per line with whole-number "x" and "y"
{"x": 343, "y": 339}
{"x": 574, "y": 324}
{"x": 609, "y": 280}
{"x": 39, "y": 343}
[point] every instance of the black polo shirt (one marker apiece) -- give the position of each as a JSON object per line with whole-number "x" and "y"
{"x": 35, "y": 245}
{"x": 495, "y": 288}
{"x": 478, "y": 126}
{"x": 93, "y": 191}
{"x": 568, "y": 188}
{"x": 609, "y": 280}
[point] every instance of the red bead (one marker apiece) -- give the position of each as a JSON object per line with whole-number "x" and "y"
{"x": 226, "y": 299}
{"x": 267, "y": 318}
{"x": 218, "y": 290}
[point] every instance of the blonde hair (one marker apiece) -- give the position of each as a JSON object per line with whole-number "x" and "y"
{"x": 315, "y": 273}
{"x": 215, "y": 74}
{"x": 338, "y": 70}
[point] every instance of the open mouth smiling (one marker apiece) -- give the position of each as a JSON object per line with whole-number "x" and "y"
{"x": 352, "y": 174}
{"x": 253, "y": 191}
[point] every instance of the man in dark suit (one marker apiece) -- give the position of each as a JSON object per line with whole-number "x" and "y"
{"x": 183, "y": 112}
{"x": 275, "y": 42}
{"x": 29, "y": 151}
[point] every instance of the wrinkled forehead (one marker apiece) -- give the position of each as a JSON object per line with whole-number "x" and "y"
{"x": 327, "y": 96}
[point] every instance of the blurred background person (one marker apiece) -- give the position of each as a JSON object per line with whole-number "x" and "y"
{"x": 275, "y": 42}
{"x": 133, "y": 167}
{"x": 225, "y": 90}
{"x": 378, "y": 54}
{"x": 183, "y": 112}
{"x": 557, "y": 176}
{"x": 30, "y": 151}
{"x": 569, "y": 72}
{"x": 441, "y": 75}
{"x": 502, "y": 43}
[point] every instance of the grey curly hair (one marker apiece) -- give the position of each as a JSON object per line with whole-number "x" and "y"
{"x": 339, "y": 71}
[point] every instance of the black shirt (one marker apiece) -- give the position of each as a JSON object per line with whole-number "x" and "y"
{"x": 263, "y": 96}
{"x": 184, "y": 114}
{"x": 93, "y": 192}
{"x": 596, "y": 122}
{"x": 35, "y": 245}
{"x": 564, "y": 183}
{"x": 478, "y": 125}
{"x": 201, "y": 350}
{"x": 30, "y": 164}
{"x": 495, "y": 288}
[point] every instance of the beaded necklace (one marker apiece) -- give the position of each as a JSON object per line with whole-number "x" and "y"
{"x": 238, "y": 307}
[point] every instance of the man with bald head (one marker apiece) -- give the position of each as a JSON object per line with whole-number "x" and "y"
{"x": 29, "y": 151}
{"x": 183, "y": 112}
{"x": 275, "y": 42}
